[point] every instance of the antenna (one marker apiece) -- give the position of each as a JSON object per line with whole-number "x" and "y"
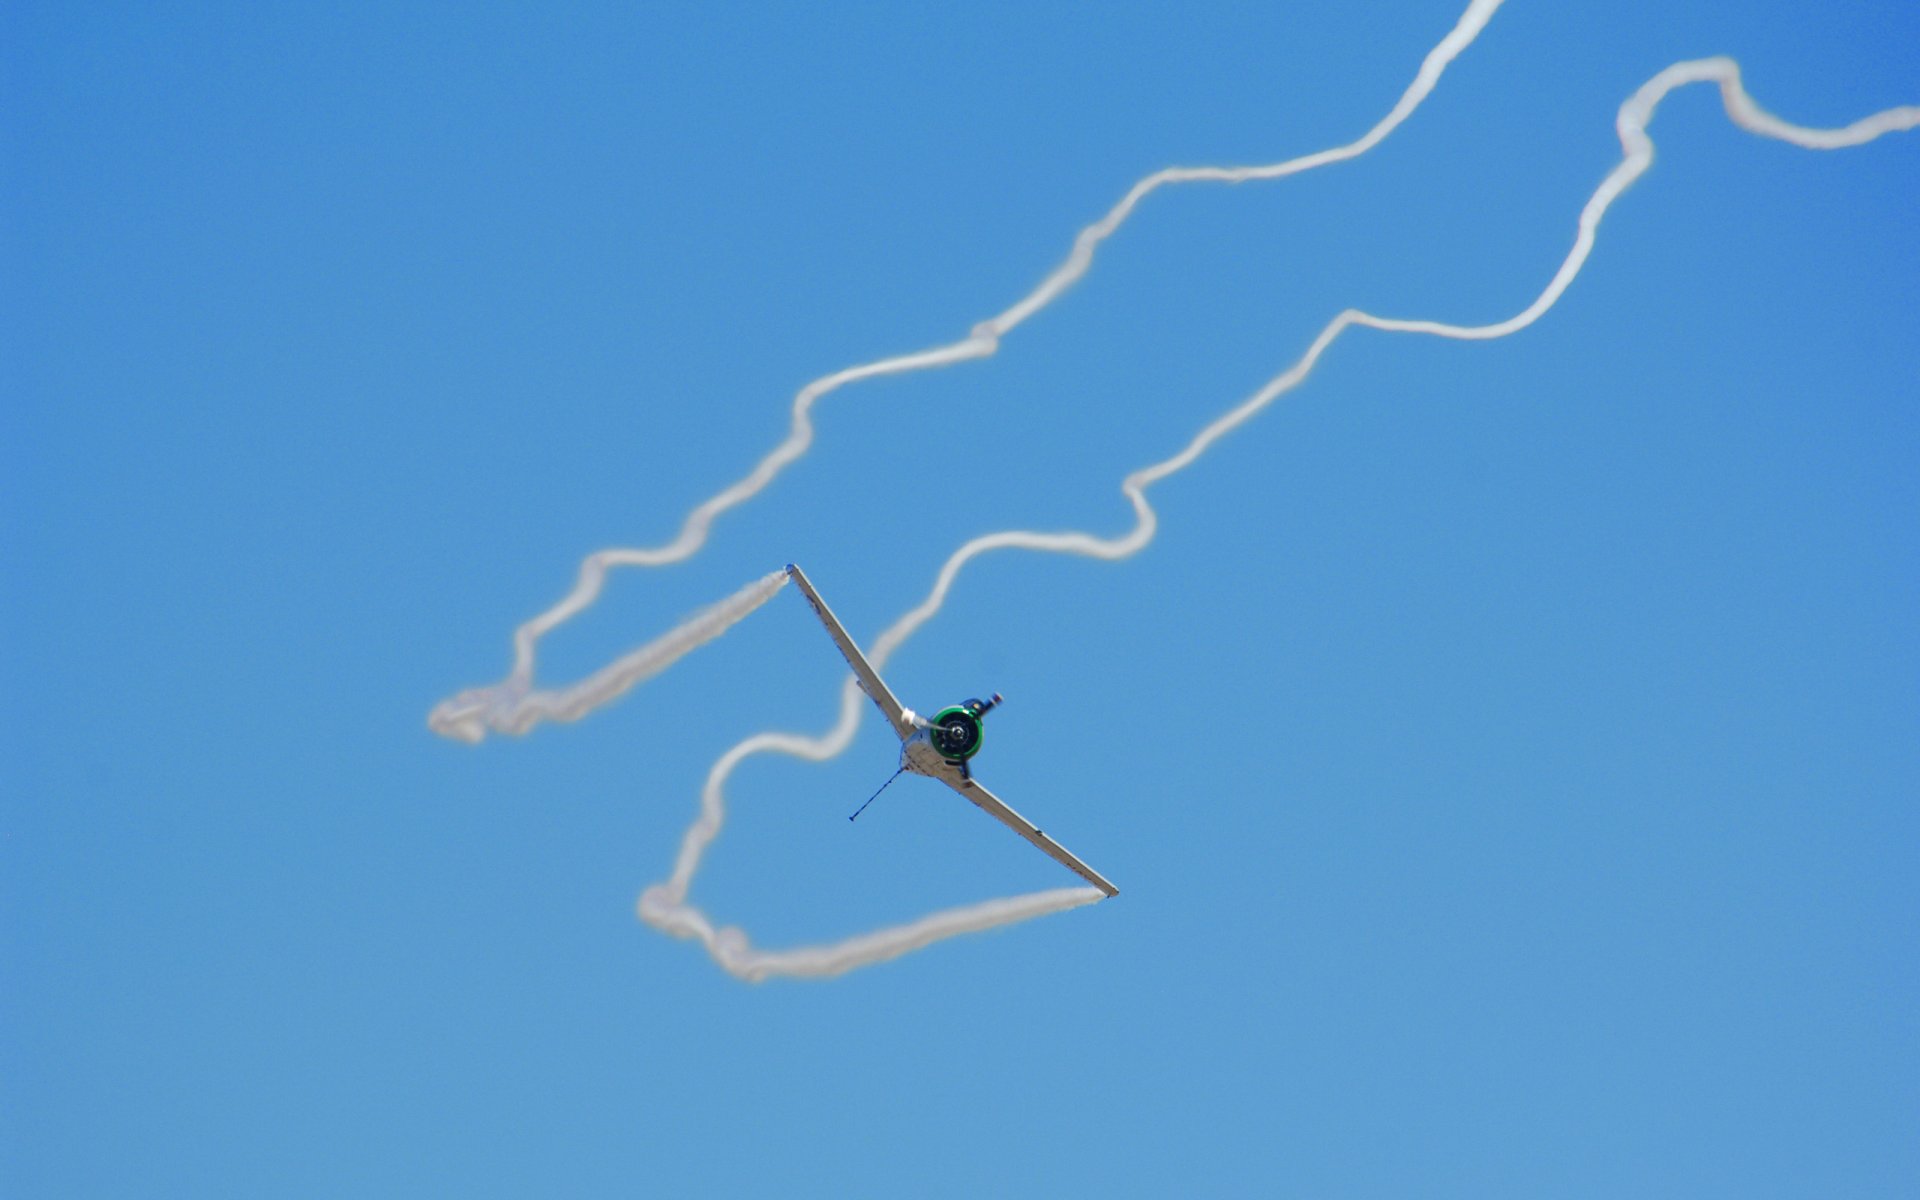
{"x": 876, "y": 795}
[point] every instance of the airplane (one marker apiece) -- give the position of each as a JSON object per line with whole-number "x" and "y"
{"x": 941, "y": 747}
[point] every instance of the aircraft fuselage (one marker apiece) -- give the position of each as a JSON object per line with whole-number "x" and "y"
{"x": 918, "y": 755}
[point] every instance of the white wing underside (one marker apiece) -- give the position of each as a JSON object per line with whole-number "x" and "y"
{"x": 896, "y": 713}
{"x": 906, "y": 725}
{"x": 998, "y": 809}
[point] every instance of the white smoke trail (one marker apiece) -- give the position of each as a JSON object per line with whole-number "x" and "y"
{"x": 731, "y": 949}
{"x": 500, "y": 707}
{"x": 664, "y": 905}
{"x": 1637, "y": 156}
{"x": 509, "y": 708}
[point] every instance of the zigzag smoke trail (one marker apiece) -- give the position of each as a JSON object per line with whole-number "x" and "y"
{"x": 514, "y": 707}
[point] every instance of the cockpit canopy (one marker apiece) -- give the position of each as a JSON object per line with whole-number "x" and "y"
{"x": 979, "y": 707}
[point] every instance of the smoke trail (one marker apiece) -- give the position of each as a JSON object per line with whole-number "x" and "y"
{"x": 732, "y": 950}
{"x": 1478, "y": 13}
{"x": 664, "y": 905}
{"x": 982, "y": 342}
{"x": 507, "y": 708}
{"x": 1637, "y": 156}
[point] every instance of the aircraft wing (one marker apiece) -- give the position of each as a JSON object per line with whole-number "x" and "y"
{"x": 998, "y": 810}
{"x": 896, "y": 713}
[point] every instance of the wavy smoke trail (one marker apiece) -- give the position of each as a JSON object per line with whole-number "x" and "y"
{"x": 512, "y": 706}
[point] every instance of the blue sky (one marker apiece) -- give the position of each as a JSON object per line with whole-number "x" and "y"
{"x": 1507, "y": 751}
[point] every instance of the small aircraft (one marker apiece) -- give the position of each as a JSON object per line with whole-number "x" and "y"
{"x": 940, "y": 747}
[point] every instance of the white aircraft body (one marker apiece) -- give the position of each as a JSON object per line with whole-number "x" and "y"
{"x": 941, "y": 747}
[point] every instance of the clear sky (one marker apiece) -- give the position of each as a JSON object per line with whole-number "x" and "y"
{"x": 1508, "y": 752}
